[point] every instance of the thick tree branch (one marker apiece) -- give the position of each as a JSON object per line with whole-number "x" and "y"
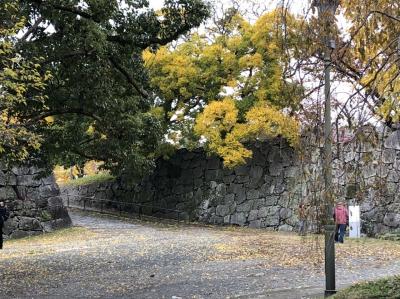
{"x": 151, "y": 41}
{"x": 131, "y": 81}
{"x": 32, "y": 29}
{"x": 385, "y": 14}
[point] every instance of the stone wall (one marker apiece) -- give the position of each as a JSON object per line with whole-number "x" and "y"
{"x": 34, "y": 204}
{"x": 256, "y": 194}
{"x": 266, "y": 192}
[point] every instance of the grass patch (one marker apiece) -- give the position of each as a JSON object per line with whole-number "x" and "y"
{"x": 382, "y": 288}
{"x": 90, "y": 179}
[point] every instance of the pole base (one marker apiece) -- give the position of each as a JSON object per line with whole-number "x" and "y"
{"x": 330, "y": 280}
{"x": 329, "y": 293}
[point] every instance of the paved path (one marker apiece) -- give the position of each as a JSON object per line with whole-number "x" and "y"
{"x": 111, "y": 258}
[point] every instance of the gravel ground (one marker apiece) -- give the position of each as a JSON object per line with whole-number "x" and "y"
{"x": 107, "y": 257}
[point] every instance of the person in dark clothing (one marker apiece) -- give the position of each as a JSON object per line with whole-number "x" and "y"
{"x": 4, "y": 214}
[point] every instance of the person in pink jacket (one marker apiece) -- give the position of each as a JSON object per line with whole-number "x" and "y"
{"x": 341, "y": 216}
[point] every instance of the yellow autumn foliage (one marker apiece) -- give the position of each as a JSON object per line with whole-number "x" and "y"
{"x": 237, "y": 77}
{"x": 374, "y": 50}
{"x": 218, "y": 124}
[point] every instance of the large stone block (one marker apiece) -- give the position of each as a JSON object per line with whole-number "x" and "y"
{"x": 238, "y": 218}
{"x": 228, "y": 172}
{"x": 275, "y": 169}
{"x": 274, "y": 156}
{"x": 188, "y": 156}
{"x": 266, "y": 189}
{"x": 201, "y": 163}
{"x": 242, "y": 179}
{"x": 214, "y": 163}
{"x": 380, "y": 228}
{"x": 222, "y": 210}
{"x": 265, "y": 212}
{"x": 27, "y": 223}
{"x": 254, "y": 183}
{"x": 22, "y": 170}
{"x": 227, "y": 219}
{"x": 28, "y": 180}
{"x": 3, "y": 178}
{"x": 178, "y": 189}
{"x": 55, "y": 201}
{"x": 259, "y": 158}
{"x": 242, "y": 170}
{"x": 10, "y": 225}
{"x": 393, "y": 140}
{"x": 253, "y": 215}
{"x": 252, "y": 194}
{"x": 240, "y": 196}
{"x": 228, "y": 179}
{"x": 7, "y": 193}
{"x": 291, "y": 172}
{"x": 216, "y": 219}
{"x": 278, "y": 189}
{"x": 393, "y": 176}
{"x": 220, "y": 190}
{"x": 392, "y": 219}
{"x": 258, "y": 203}
{"x": 389, "y": 156}
{"x": 229, "y": 198}
{"x": 198, "y": 195}
{"x": 185, "y": 165}
{"x": 236, "y": 188}
{"x": 285, "y": 213}
{"x": 198, "y": 172}
{"x": 49, "y": 191}
{"x": 212, "y": 175}
{"x": 245, "y": 207}
{"x": 198, "y": 183}
{"x": 255, "y": 224}
{"x": 366, "y": 206}
{"x": 256, "y": 172}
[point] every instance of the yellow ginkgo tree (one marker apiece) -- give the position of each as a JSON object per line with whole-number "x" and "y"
{"x": 230, "y": 87}
{"x": 370, "y": 55}
{"x": 225, "y": 135}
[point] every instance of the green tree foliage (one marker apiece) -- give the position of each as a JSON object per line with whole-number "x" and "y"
{"x": 98, "y": 102}
{"x": 240, "y": 71}
{"x": 21, "y": 85}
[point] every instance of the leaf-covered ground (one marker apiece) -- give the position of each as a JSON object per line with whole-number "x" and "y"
{"x": 104, "y": 257}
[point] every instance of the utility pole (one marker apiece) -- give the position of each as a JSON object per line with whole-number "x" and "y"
{"x": 326, "y": 13}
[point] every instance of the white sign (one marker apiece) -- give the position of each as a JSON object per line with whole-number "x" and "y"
{"x": 354, "y": 222}
{"x": 354, "y": 213}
